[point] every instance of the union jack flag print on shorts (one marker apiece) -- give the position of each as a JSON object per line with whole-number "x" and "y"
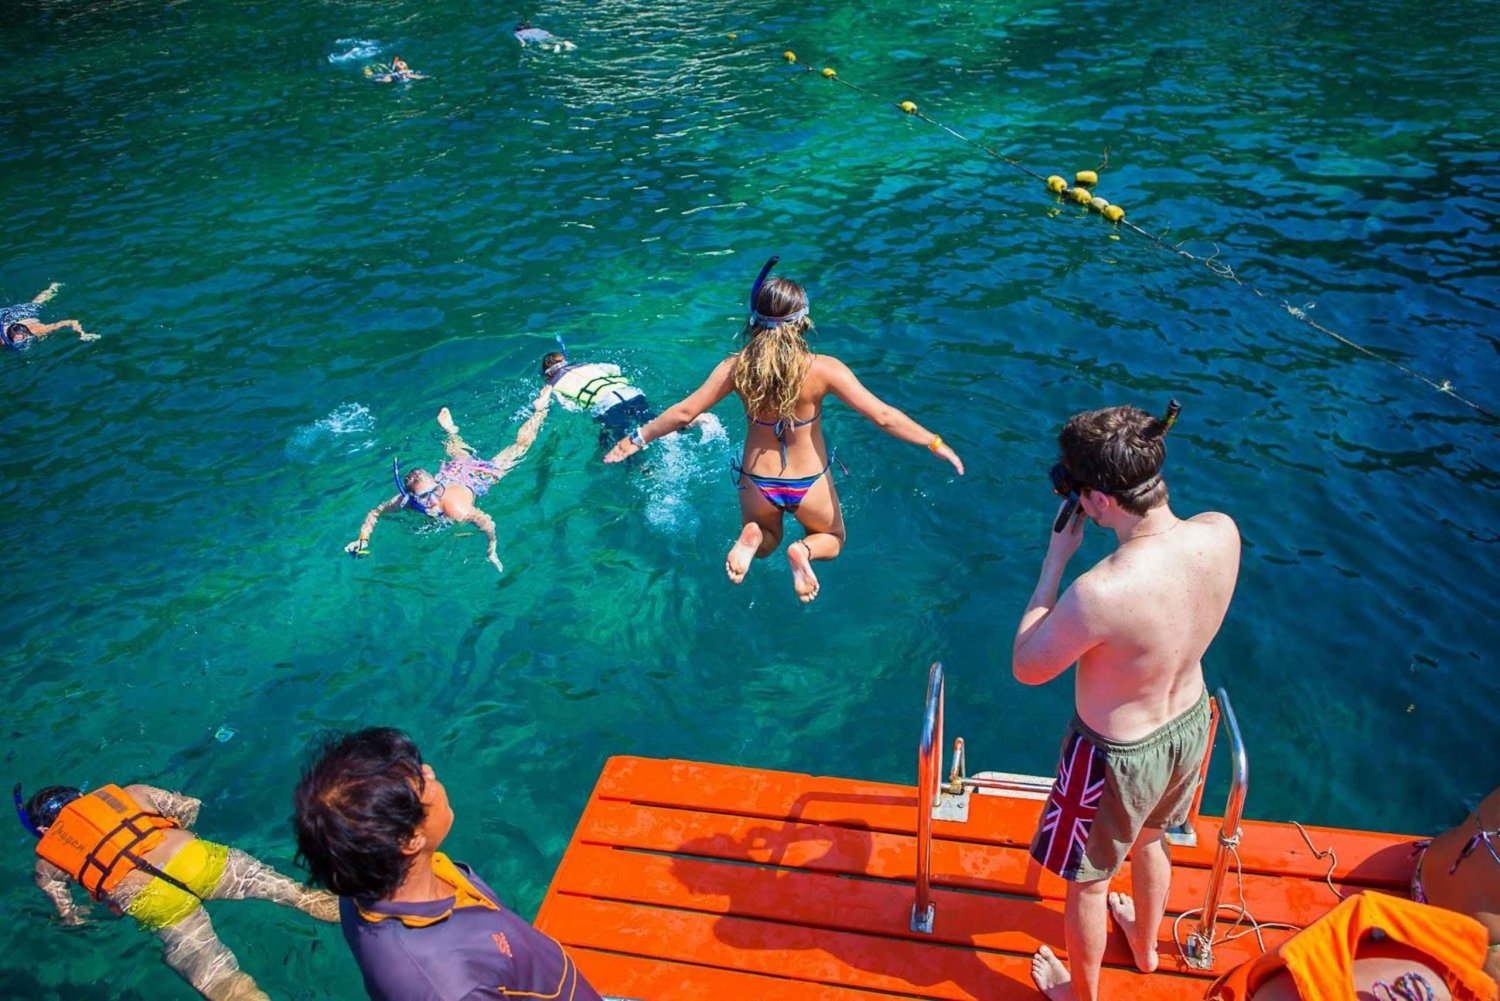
{"x": 1069, "y": 815}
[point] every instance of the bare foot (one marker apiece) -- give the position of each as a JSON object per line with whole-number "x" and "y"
{"x": 1122, "y": 906}
{"x": 48, "y": 292}
{"x": 742, "y": 553}
{"x": 804, "y": 581}
{"x": 445, "y": 421}
{"x": 1051, "y": 976}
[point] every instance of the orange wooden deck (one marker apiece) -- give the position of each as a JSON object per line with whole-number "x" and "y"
{"x": 697, "y": 881}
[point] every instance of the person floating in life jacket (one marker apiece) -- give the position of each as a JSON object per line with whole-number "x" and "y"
{"x": 131, "y": 850}
{"x": 603, "y": 390}
{"x": 1370, "y": 946}
{"x": 370, "y": 817}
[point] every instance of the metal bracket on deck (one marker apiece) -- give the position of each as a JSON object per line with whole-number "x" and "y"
{"x": 1183, "y": 835}
{"x": 952, "y": 806}
{"x": 1199, "y": 952}
{"x": 923, "y": 923}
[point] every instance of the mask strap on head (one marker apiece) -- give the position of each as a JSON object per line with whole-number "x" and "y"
{"x": 407, "y": 500}
{"x": 21, "y": 814}
{"x": 759, "y": 319}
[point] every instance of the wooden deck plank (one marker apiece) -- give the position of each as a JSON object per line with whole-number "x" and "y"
{"x": 651, "y": 979}
{"x": 824, "y": 901}
{"x": 1365, "y": 858}
{"x": 849, "y": 851}
{"x": 837, "y": 959}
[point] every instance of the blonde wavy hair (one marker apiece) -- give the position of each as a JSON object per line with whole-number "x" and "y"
{"x": 771, "y": 367}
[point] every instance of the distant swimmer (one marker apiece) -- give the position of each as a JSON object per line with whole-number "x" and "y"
{"x": 460, "y": 481}
{"x": 602, "y": 390}
{"x": 784, "y": 467}
{"x": 370, "y": 818}
{"x": 527, "y": 35}
{"x": 21, "y": 324}
{"x": 396, "y": 72}
{"x": 130, "y": 848}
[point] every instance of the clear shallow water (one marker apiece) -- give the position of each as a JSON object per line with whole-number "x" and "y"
{"x": 293, "y": 268}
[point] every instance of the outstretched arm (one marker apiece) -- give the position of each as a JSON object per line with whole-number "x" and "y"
{"x": 181, "y": 808}
{"x": 843, "y": 384}
{"x": 40, "y": 330}
{"x": 359, "y": 545}
{"x": 56, "y": 884}
{"x": 719, "y": 384}
{"x": 486, "y": 524}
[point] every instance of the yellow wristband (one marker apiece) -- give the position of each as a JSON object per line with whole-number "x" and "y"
{"x": 937, "y": 443}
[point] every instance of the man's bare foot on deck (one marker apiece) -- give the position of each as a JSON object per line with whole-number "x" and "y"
{"x": 1122, "y": 906}
{"x": 1051, "y": 976}
{"x": 742, "y": 553}
{"x": 445, "y": 421}
{"x": 804, "y": 581}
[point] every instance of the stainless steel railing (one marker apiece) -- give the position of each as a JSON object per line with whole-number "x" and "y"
{"x": 929, "y": 768}
{"x": 1200, "y": 944}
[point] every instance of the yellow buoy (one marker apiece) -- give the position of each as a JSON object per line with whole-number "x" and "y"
{"x": 828, "y": 72}
{"x": 1114, "y": 213}
{"x": 1086, "y": 177}
{"x": 789, "y": 56}
{"x": 908, "y": 107}
{"x": 1056, "y": 185}
{"x": 732, "y": 36}
{"x": 1098, "y": 204}
{"x": 1080, "y": 195}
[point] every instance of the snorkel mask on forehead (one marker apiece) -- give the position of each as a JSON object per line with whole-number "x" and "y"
{"x": 761, "y": 320}
{"x": 1069, "y": 487}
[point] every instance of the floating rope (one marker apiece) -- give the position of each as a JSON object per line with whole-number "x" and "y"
{"x": 1116, "y": 215}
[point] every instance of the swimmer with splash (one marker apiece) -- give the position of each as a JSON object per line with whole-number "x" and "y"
{"x": 527, "y": 35}
{"x": 131, "y": 849}
{"x": 21, "y": 324}
{"x": 460, "y": 481}
{"x": 397, "y": 72}
{"x": 601, "y": 389}
{"x": 785, "y": 465}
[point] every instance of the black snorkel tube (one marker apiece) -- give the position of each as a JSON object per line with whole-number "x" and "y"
{"x": 1066, "y": 485}
{"x": 21, "y": 814}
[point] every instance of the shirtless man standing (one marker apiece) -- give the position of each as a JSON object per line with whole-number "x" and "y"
{"x": 1137, "y": 624}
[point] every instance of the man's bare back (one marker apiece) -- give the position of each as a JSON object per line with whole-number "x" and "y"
{"x": 1155, "y": 605}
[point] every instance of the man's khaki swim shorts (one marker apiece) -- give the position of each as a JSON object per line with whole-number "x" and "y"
{"x": 1107, "y": 791}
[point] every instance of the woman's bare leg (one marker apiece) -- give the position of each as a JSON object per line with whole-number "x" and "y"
{"x": 47, "y": 293}
{"x": 760, "y": 534}
{"x": 823, "y": 518}
{"x": 248, "y": 878}
{"x": 192, "y": 949}
{"x": 453, "y": 445}
{"x": 505, "y": 460}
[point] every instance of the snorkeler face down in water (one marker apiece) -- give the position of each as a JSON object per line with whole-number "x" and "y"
{"x": 785, "y": 463}
{"x": 21, "y": 324}
{"x": 131, "y": 849}
{"x": 460, "y": 481}
{"x": 601, "y": 389}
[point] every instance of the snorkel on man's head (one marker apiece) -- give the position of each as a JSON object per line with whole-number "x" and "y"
{"x": 40, "y": 811}
{"x": 1117, "y": 452}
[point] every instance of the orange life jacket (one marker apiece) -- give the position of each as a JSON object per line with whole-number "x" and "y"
{"x": 100, "y": 838}
{"x": 1320, "y": 958}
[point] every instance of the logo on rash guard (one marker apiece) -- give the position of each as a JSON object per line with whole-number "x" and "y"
{"x": 502, "y": 943}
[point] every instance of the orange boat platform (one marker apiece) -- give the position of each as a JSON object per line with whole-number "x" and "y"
{"x": 686, "y": 880}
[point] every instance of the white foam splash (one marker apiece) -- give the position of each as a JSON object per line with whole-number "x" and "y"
{"x": 355, "y": 49}
{"x": 347, "y": 430}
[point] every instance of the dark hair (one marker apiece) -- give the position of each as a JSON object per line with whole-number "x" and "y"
{"x": 17, "y": 332}
{"x": 45, "y": 804}
{"x": 552, "y": 359}
{"x": 1119, "y": 450}
{"x": 359, "y": 802}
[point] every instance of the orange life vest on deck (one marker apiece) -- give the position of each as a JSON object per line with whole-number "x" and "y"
{"x": 1320, "y": 958}
{"x": 100, "y": 838}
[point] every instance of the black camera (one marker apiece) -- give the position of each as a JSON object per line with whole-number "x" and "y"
{"x": 1065, "y": 485}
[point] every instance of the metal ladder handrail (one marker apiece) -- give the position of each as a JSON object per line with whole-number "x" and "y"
{"x": 1200, "y": 944}
{"x": 929, "y": 768}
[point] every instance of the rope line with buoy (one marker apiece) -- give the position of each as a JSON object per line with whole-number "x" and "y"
{"x": 1081, "y": 193}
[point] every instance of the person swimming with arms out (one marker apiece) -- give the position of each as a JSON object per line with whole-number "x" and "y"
{"x": 397, "y": 72}
{"x": 131, "y": 849}
{"x": 21, "y": 324}
{"x": 602, "y": 390}
{"x": 527, "y": 35}
{"x": 784, "y": 467}
{"x": 460, "y": 481}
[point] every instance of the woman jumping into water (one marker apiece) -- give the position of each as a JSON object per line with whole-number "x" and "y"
{"x": 784, "y": 467}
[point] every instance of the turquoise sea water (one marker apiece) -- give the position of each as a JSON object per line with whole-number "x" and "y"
{"x": 293, "y": 268}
